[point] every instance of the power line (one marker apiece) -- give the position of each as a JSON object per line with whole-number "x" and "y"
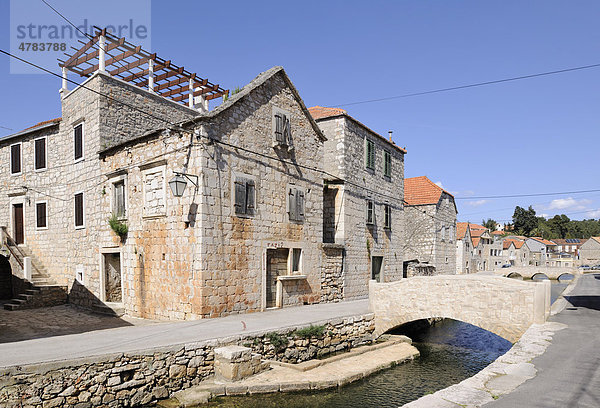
{"x": 4, "y": 127}
{"x": 454, "y": 88}
{"x": 527, "y": 195}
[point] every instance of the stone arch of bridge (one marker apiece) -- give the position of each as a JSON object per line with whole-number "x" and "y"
{"x": 540, "y": 275}
{"x": 514, "y": 275}
{"x": 565, "y": 275}
{"x": 492, "y": 328}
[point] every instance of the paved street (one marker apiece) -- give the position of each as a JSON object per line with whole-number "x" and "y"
{"x": 569, "y": 370}
{"x": 144, "y": 336}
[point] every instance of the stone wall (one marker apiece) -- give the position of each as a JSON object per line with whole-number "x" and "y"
{"x": 135, "y": 379}
{"x": 345, "y": 153}
{"x": 332, "y": 277}
{"x": 506, "y": 307}
{"x": 589, "y": 252}
{"x": 430, "y": 234}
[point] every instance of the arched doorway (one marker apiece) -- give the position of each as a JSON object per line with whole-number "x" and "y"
{"x": 5, "y": 279}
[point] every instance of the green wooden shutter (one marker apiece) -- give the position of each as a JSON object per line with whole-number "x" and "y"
{"x": 300, "y": 205}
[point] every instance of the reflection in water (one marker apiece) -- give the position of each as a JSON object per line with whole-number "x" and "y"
{"x": 451, "y": 351}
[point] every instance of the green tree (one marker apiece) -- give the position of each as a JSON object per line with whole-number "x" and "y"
{"x": 490, "y": 224}
{"x": 559, "y": 225}
{"x": 524, "y": 221}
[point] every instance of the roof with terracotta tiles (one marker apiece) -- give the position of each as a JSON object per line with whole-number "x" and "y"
{"x": 46, "y": 122}
{"x": 497, "y": 232}
{"x": 475, "y": 241}
{"x": 543, "y": 241}
{"x": 322, "y": 112}
{"x": 422, "y": 191}
{"x": 461, "y": 229}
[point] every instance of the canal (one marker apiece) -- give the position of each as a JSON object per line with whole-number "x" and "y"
{"x": 451, "y": 351}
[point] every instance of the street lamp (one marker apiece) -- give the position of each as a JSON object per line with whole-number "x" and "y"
{"x": 178, "y": 183}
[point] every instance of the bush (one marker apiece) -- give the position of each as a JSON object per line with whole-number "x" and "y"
{"x": 119, "y": 227}
{"x": 277, "y": 340}
{"x": 310, "y": 331}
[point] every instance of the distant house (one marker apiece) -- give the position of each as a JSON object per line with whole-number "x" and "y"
{"x": 569, "y": 246}
{"x": 589, "y": 252}
{"x": 542, "y": 251}
{"x": 516, "y": 252}
{"x": 430, "y": 231}
{"x": 464, "y": 247}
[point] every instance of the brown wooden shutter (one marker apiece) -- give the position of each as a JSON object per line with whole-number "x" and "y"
{"x": 279, "y": 128}
{"x": 41, "y": 221}
{"x": 287, "y": 133}
{"x": 292, "y": 204}
{"x": 40, "y": 154}
{"x": 300, "y": 204}
{"x": 240, "y": 197}
{"x": 250, "y": 193}
{"x": 15, "y": 158}
{"x": 79, "y": 209}
{"x": 78, "y": 142}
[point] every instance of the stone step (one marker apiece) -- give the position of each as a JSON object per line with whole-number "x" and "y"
{"x": 109, "y": 308}
{"x": 11, "y": 306}
{"x": 25, "y": 297}
{"x": 32, "y": 291}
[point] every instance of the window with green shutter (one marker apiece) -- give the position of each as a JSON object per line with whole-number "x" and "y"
{"x": 370, "y": 212}
{"x": 387, "y": 163}
{"x": 370, "y": 155}
{"x": 387, "y": 212}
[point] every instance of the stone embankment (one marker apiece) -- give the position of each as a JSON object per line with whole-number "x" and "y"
{"x": 138, "y": 378}
{"x": 332, "y": 372}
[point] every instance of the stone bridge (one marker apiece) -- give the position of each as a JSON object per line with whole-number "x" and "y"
{"x": 506, "y": 307}
{"x": 528, "y": 272}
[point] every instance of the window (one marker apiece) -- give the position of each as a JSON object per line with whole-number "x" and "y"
{"x": 370, "y": 212}
{"x": 370, "y": 154}
{"x": 15, "y": 159}
{"x": 245, "y": 198}
{"x": 40, "y": 153}
{"x": 79, "y": 221}
{"x": 296, "y": 255}
{"x": 119, "y": 198}
{"x": 443, "y": 233}
{"x": 387, "y": 164}
{"x": 296, "y": 204}
{"x": 41, "y": 214}
{"x": 282, "y": 128}
{"x": 387, "y": 212}
{"x": 154, "y": 192}
{"x": 79, "y": 273}
{"x": 78, "y": 141}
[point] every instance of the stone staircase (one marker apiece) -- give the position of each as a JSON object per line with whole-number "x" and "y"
{"x": 41, "y": 290}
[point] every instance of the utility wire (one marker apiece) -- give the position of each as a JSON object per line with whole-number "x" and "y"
{"x": 454, "y": 88}
{"x": 4, "y": 127}
{"x": 527, "y": 195}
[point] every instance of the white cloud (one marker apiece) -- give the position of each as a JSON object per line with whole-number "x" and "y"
{"x": 569, "y": 203}
{"x": 439, "y": 184}
{"x": 477, "y": 203}
{"x": 593, "y": 213}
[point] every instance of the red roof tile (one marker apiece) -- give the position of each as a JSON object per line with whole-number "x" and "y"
{"x": 320, "y": 112}
{"x": 544, "y": 241}
{"x": 46, "y": 122}
{"x": 421, "y": 190}
{"x": 461, "y": 229}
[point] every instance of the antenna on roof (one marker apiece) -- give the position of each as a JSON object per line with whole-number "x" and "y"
{"x": 390, "y": 133}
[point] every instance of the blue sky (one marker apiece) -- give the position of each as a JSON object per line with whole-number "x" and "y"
{"x": 531, "y": 136}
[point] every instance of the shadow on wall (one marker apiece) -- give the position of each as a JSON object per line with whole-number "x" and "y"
{"x": 6, "y": 287}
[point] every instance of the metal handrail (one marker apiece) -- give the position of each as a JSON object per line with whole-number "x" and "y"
{"x": 11, "y": 242}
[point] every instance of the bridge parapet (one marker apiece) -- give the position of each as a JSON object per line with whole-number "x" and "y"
{"x": 503, "y": 306}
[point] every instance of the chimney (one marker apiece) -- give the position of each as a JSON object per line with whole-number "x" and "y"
{"x": 390, "y": 133}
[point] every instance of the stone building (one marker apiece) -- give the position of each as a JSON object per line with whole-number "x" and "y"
{"x": 569, "y": 246}
{"x": 430, "y": 231}
{"x": 516, "y": 252}
{"x": 542, "y": 250}
{"x": 363, "y": 215}
{"x": 589, "y": 252}
{"x": 464, "y": 248}
{"x": 245, "y": 235}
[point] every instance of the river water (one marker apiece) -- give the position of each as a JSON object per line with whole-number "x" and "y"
{"x": 451, "y": 351}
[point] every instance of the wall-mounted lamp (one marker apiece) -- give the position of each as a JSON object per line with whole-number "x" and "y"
{"x": 178, "y": 183}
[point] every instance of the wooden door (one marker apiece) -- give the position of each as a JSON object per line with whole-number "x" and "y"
{"x": 112, "y": 278}
{"x": 18, "y": 226}
{"x": 277, "y": 260}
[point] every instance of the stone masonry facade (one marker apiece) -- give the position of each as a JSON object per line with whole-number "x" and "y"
{"x": 351, "y": 186}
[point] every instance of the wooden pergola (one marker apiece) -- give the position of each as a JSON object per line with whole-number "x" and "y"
{"x": 126, "y": 61}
